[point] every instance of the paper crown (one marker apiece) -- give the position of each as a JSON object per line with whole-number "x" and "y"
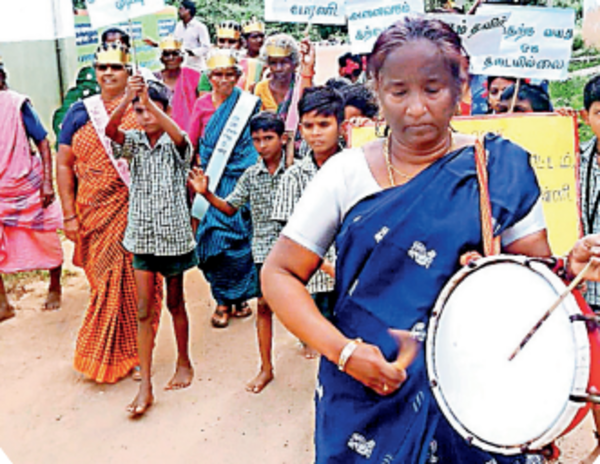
{"x": 170, "y": 43}
{"x": 253, "y": 25}
{"x": 279, "y": 46}
{"x": 229, "y": 30}
{"x": 113, "y": 52}
{"x": 221, "y": 58}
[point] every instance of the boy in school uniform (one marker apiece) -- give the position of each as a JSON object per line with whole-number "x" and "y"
{"x": 589, "y": 176}
{"x": 321, "y": 111}
{"x": 159, "y": 232}
{"x": 258, "y": 186}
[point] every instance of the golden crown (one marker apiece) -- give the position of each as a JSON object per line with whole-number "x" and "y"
{"x": 170, "y": 43}
{"x": 229, "y": 30}
{"x": 221, "y": 58}
{"x": 279, "y": 47}
{"x": 253, "y": 25}
{"x": 111, "y": 53}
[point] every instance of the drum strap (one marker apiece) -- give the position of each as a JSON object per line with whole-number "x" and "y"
{"x": 491, "y": 244}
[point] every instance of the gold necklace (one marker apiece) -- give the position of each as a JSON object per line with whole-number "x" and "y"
{"x": 391, "y": 168}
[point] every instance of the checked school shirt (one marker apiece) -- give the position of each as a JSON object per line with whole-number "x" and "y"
{"x": 589, "y": 176}
{"x": 292, "y": 187}
{"x": 259, "y": 187}
{"x": 159, "y": 216}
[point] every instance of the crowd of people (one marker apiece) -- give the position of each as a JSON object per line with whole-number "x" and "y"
{"x": 232, "y": 161}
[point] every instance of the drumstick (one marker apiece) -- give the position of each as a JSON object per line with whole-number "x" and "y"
{"x": 576, "y": 281}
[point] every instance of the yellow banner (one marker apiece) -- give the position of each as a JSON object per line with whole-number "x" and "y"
{"x": 552, "y": 142}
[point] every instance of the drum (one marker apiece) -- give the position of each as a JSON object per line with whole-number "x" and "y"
{"x": 481, "y": 316}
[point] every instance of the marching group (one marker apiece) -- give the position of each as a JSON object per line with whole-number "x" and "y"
{"x": 232, "y": 161}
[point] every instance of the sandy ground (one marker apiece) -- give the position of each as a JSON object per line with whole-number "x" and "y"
{"x": 51, "y": 414}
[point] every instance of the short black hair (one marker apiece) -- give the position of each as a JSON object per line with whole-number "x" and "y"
{"x": 189, "y": 5}
{"x": 157, "y": 92}
{"x": 116, "y": 30}
{"x": 534, "y": 94}
{"x": 491, "y": 79}
{"x": 359, "y": 96}
{"x": 338, "y": 83}
{"x": 267, "y": 121}
{"x": 591, "y": 92}
{"x": 324, "y": 100}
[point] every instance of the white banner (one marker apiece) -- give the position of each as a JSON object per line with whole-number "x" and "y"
{"x": 591, "y": 23}
{"x": 536, "y": 43}
{"x": 480, "y": 34}
{"x": 369, "y": 18}
{"x": 106, "y": 12}
{"x": 305, "y": 11}
{"x": 36, "y": 20}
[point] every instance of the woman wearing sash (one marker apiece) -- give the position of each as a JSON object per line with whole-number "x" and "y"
{"x": 219, "y": 128}
{"x": 94, "y": 192}
{"x": 402, "y": 210}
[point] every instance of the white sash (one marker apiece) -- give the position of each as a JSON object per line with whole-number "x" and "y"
{"x": 99, "y": 117}
{"x": 229, "y": 137}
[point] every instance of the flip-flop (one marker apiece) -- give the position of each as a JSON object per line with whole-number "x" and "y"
{"x": 220, "y": 318}
{"x": 242, "y": 310}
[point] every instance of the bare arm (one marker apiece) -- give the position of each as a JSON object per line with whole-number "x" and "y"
{"x": 535, "y": 244}
{"x": 199, "y": 181}
{"x": 112, "y": 128}
{"x": 285, "y": 273}
{"x": 165, "y": 122}
{"x": 67, "y": 188}
{"x": 47, "y": 188}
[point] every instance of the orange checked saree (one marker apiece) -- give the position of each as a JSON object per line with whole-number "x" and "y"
{"x": 106, "y": 348}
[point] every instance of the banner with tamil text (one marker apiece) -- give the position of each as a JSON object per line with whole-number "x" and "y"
{"x": 369, "y": 18}
{"x": 106, "y": 12}
{"x": 536, "y": 43}
{"x": 306, "y": 11}
{"x": 554, "y": 157}
{"x": 480, "y": 33}
{"x": 591, "y": 23}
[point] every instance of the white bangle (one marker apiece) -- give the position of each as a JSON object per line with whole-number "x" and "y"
{"x": 347, "y": 352}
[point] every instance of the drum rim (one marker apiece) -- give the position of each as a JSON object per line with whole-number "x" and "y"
{"x": 582, "y": 369}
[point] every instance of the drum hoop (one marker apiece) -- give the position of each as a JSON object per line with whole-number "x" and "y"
{"x": 582, "y": 369}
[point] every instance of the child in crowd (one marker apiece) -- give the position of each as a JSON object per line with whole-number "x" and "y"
{"x": 589, "y": 175}
{"x": 321, "y": 111}
{"x": 360, "y": 108}
{"x": 530, "y": 99}
{"x": 258, "y": 186}
{"x": 158, "y": 231}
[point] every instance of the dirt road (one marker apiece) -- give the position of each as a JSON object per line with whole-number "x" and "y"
{"x": 50, "y": 414}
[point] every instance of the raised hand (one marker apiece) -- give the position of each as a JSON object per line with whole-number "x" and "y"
{"x": 198, "y": 180}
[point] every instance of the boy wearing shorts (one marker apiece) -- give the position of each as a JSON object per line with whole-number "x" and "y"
{"x": 159, "y": 232}
{"x": 258, "y": 186}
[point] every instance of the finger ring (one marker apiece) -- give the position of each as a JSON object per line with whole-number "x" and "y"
{"x": 385, "y": 388}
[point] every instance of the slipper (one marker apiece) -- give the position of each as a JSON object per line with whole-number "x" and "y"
{"x": 242, "y": 310}
{"x": 220, "y": 318}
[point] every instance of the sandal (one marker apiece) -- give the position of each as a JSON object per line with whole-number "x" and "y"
{"x": 242, "y": 310}
{"x": 136, "y": 373}
{"x": 220, "y": 318}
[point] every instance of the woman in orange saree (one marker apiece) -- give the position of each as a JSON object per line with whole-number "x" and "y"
{"x": 94, "y": 194}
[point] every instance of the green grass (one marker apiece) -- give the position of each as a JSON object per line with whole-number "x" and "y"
{"x": 11, "y": 281}
{"x": 570, "y": 94}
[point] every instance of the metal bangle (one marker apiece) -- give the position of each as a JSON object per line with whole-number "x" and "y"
{"x": 70, "y": 218}
{"x": 346, "y": 352}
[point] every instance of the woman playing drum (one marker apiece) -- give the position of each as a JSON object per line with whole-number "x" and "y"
{"x": 402, "y": 211}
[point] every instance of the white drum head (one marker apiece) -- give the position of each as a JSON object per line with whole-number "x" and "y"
{"x": 479, "y": 319}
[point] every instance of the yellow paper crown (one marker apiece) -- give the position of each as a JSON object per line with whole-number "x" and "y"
{"x": 221, "y": 58}
{"x": 114, "y": 52}
{"x": 229, "y": 30}
{"x": 279, "y": 48}
{"x": 254, "y": 25}
{"x": 170, "y": 43}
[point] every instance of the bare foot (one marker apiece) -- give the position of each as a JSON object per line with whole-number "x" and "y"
{"x": 52, "y": 302}
{"x": 7, "y": 311}
{"x": 142, "y": 401}
{"x": 308, "y": 352}
{"x": 259, "y": 382}
{"x": 184, "y": 374}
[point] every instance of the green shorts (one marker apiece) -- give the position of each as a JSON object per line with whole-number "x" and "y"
{"x": 168, "y": 266}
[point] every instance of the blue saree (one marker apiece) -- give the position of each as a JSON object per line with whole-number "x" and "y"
{"x": 224, "y": 251}
{"x": 396, "y": 250}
